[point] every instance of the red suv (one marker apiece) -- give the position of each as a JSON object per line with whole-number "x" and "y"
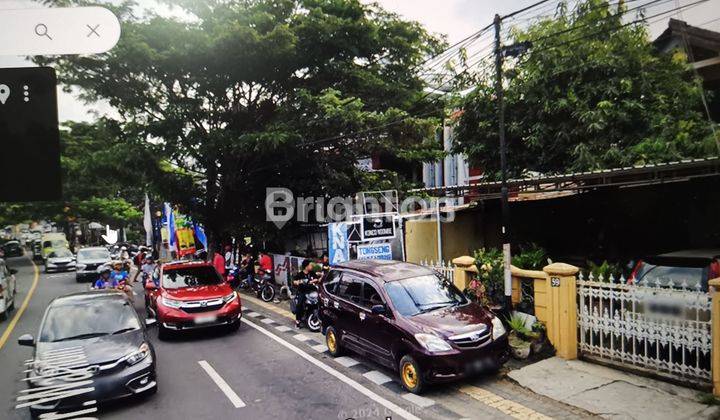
{"x": 409, "y": 319}
{"x": 187, "y": 295}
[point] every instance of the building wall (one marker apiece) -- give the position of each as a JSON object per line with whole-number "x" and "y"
{"x": 420, "y": 240}
{"x": 460, "y": 237}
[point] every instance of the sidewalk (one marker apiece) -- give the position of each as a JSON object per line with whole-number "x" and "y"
{"x": 611, "y": 393}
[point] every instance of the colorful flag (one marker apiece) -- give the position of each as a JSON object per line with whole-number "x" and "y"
{"x": 170, "y": 217}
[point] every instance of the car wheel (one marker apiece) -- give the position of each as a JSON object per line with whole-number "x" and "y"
{"x": 410, "y": 375}
{"x": 234, "y": 326}
{"x": 332, "y": 341}
{"x": 4, "y": 315}
{"x": 163, "y": 333}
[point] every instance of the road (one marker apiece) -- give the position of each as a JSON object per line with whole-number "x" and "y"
{"x": 266, "y": 370}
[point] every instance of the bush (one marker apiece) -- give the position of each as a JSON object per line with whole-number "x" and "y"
{"x": 530, "y": 257}
{"x": 489, "y": 263}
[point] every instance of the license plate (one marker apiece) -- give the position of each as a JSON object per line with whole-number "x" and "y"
{"x": 205, "y": 319}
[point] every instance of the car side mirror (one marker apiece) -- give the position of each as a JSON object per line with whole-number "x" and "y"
{"x": 13, "y": 271}
{"x": 378, "y": 310}
{"x": 149, "y": 322}
{"x": 150, "y": 285}
{"x": 26, "y": 340}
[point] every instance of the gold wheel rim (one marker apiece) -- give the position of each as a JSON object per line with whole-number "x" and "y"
{"x": 331, "y": 342}
{"x": 409, "y": 375}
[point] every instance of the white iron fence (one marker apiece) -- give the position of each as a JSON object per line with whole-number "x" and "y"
{"x": 445, "y": 269}
{"x": 658, "y": 327}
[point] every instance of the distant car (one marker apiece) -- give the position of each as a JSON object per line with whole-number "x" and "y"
{"x": 410, "y": 319}
{"x": 188, "y": 295}
{"x": 12, "y": 249}
{"x": 8, "y": 289}
{"x": 689, "y": 269}
{"x": 110, "y": 335}
{"x": 60, "y": 260}
{"x": 89, "y": 260}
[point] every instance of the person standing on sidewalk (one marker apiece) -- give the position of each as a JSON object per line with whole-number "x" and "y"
{"x": 219, "y": 262}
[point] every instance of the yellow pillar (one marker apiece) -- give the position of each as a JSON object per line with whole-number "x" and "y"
{"x": 562, "y": 309}
{"x": 715, "y": 325}
{"x": 464, "y": 267}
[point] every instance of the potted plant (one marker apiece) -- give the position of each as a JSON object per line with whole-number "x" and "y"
{"x": 520, "y": 337}
{"x": 538, "y": 342}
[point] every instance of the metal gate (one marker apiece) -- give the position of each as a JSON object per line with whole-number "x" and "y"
{"x": 661, "y": 328}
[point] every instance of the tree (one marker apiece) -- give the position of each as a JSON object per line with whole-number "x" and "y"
{"x": 590, "y": 93}
{"x": 236, "y": 96}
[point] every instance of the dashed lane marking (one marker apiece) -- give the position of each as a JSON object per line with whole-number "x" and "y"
{"x": 26, "y": 302}
{"x": 423, "y": 402}
{"x": 267, "y": 321}
{"x": 377, "y": 377}
{"x": 320, "y": 348}
{"x": 283, "y": 328}
{"x": 253, "y": 314}
{"x": 346, "y": 361}
{"x": 301, "y": 337}
{"x": 401, "y": 412}
{"x": 511, "y": 408}
{"x": 220, "y": 382}
{"x": 269, "y": 307}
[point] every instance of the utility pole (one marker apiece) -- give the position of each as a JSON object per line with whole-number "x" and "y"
{"x": 504, "y": 206}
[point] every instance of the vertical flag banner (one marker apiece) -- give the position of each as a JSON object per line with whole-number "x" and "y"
{"x": 200, "y": 235}
{"x": 170, "y": 217}
{"x": 338, "y": 244}
{"x": 147, "y": 222}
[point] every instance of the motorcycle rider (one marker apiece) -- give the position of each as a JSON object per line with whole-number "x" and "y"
{"x": 106, "y": 281}
{"x": 304, "y": 280}
{"x": 146, "y": 269}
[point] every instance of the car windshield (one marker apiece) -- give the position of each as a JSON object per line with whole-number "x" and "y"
{"x": 61, "y": 253}
{"x": 93, "y": 254}
{"x": 670, "y": 276}
{"x": 423, "y": 294}
{"x": 87, "y": 319}
{"x": 178, "y": 278}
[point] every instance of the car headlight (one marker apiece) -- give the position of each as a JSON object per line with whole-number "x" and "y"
{"x": 432, "y": 343}
{"x": 141, "y": 353}
{"x": 229, "y": 298}
{"x": 498, "y": 328}
{"x": 171, "y": 303}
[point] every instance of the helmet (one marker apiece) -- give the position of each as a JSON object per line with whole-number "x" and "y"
{"x": 105, "y": 269}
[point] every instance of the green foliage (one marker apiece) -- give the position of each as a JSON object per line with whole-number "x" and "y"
{"x": 234, "y": 97}
{"x": 595, "y": 96}
{"x": 489, "y": 263}
{"x": 604, "y": 270}
{"x": 530, "y": 257}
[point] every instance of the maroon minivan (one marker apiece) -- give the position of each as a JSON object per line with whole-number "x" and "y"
{"x": 408, "y": 318}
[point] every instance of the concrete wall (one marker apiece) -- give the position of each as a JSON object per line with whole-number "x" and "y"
{"x": 420, "y": 240}
{"x": 460, "y": 237}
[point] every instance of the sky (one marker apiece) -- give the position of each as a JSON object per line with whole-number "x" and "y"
{"x": 455, "y": 19}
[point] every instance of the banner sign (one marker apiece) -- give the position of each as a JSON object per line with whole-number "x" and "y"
{"x": 380, "y": 227}
{"x": 282, "y": 267}
{"x": 185, "y": 241}
{"x": 374, "y": 252}
{"x": 338, "y": 244}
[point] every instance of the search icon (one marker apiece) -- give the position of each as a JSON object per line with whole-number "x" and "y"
{"x": 42, "y": 30}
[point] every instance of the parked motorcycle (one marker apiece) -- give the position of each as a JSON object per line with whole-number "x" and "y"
{"x": 263, "y": 285}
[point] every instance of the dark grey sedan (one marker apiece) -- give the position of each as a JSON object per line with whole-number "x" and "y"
{"x": 92, "y": 347}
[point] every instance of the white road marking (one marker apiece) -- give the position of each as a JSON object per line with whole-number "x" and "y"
{"x": 253, "y": 314}
{"x": 346, "y": 361}
{"x": 345, "y": 379}
{"x": 301, "y": 337}
{"x": 377, "y": 377}
{"x": 220, "y": 382}
{"x": 418, "y": 400}
{"x": 283, "y": 328}
{"x": 267, "y": 321}
{"x": 320, "y": 348}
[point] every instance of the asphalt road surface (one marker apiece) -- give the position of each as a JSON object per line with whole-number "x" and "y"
{"x": 266, "y": 370}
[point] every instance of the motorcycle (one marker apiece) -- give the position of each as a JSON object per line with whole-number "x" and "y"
{"x": 311, "y": 317}
{"x": 263, "y": 285}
